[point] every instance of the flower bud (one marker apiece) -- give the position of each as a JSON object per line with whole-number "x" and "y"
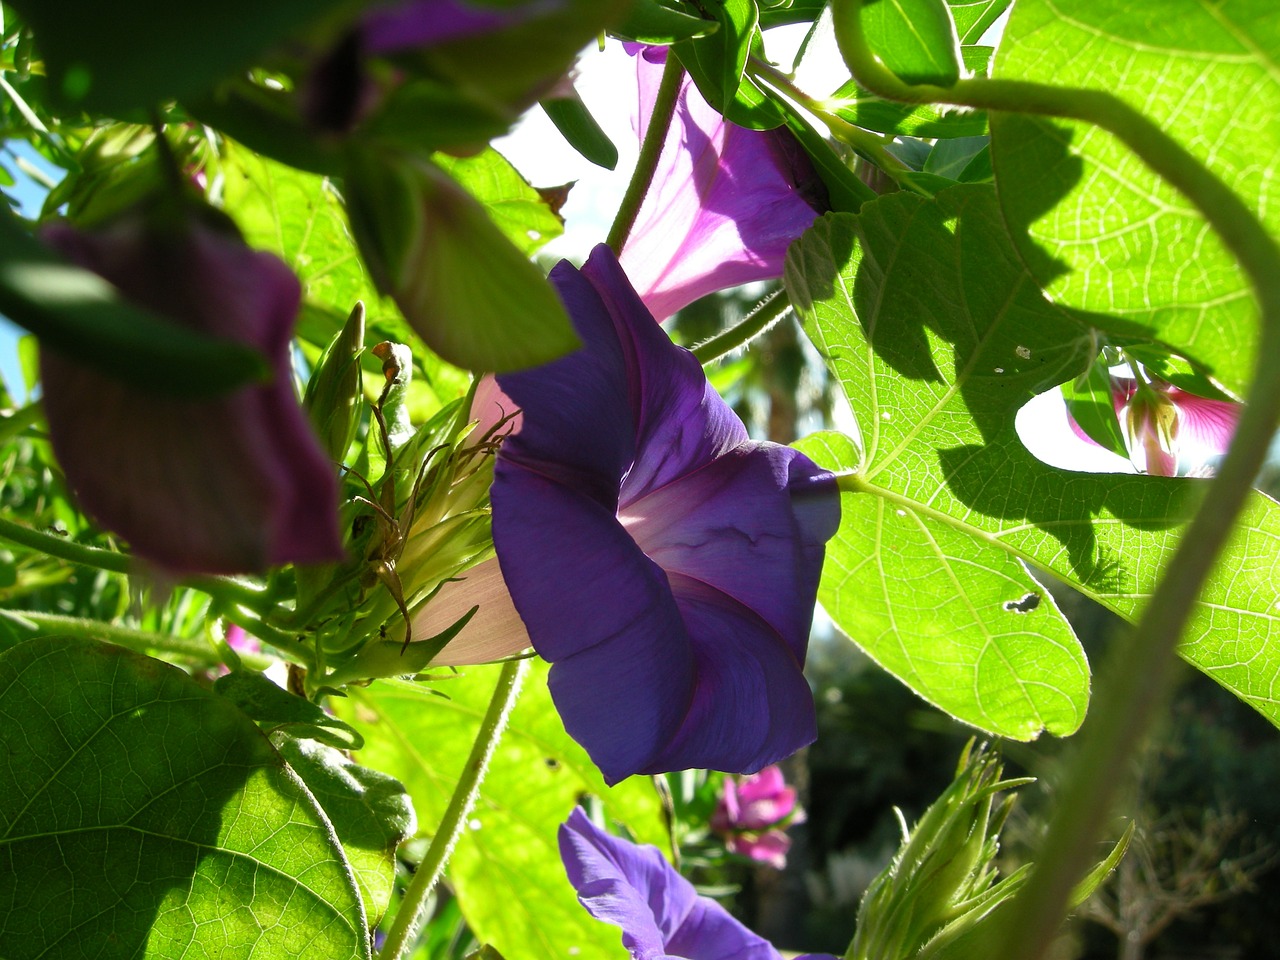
{"x": 333, "y": 395}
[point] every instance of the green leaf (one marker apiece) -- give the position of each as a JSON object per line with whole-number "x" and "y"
{"x": 426, "y": 115}
{"x": 579, "y": 127}
{"x": 517, "y": 208}
{"x": 717, "y": 63}
{"x": 275, "y": 708}
{"x": 81, "y": 315}
{"x": 938, "y": 335}
{"x": 121, "y": 57}
{"x": 654, "y": 22}
{"x": 959, "y": 621}
{"x": 145, "y": 812}
{"x": 299, "y": 216}
{"x": 916, "y": 39}
{"x": 469, "y": 292}
{"x": 951, "y": 158}
{"x": 973, "y": 17}
{"x": 1101, "y": 231}
{"x": 506, "y": 869}
{"x": 370, "y": 811}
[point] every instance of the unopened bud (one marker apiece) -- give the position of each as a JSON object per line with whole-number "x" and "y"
{"x": 333, "y": 395}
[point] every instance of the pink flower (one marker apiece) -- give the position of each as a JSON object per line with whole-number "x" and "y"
{"x": 1168, "y": 431}
{"x": 750, "y": 816}
{"x": 227, "y": 484}
{"x": 724, "y": 205}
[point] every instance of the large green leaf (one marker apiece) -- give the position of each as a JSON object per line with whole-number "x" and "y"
{"x": 516, "y": 207}
{"x": 1102, "y": 232}
{"x": 938, "y": 336}
{"x": 144, "y": 816}
{"x": 506, "y": 869}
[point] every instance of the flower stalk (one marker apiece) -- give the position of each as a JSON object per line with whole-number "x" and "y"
{"x": 401, "y": 936}
{"x": 765, "y": 314}
{"x": 1142, "y": 671}
{"x": 655, "y": 136}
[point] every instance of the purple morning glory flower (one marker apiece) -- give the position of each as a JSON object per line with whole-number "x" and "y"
{"x": 663, "y": 562}
{"x": 228, "y": 484}
{"x": 724, "y": 205}
{"x": 662, "y": 917}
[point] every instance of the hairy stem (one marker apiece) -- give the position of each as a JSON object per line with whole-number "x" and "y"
{"x": 192, "y": 649}
{"x": 747, "y": 329}
{"x": 409, "y": 916}
{"x": 223, "y": 588}
{"x": 1139, "y": 679}
{"x": 655, "y": 135}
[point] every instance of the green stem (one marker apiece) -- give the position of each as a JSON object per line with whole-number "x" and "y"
{"x": 870, "y": 145}
{"x": 751, "y": 326}
{"x": 223, "y": 588}
{"x": 14, "y": 423}
{"x": 1139, "y": 679}
{"x": 664, "y": 108}
{"x": 409, "y": 916}
{"x": 143, "y": 641}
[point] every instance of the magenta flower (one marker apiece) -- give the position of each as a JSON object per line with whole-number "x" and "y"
{"x": 1168, "y": 431}
{"x": 661, "y": 915}
{"x": 228, "y": 484}
{"x": 724, "y": 205}
{"x": 750, "y": 813}
{"x": 663, "y": 562}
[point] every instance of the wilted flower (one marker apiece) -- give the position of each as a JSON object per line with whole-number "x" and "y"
{"x": 227, "y": 484}
{"x": 661, "y": 915}
{"x": 724, "y": 204}
{"x": 750, "y": 813}
{"x": 663, "y": 562}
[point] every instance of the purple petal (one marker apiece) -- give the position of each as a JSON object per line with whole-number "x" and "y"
{"x": 658, "y": 910}
{"x": 724, "y": 205}
{"x": 595, "y": 606}
{"x": 223, "y": 485}
{"x": 751, "y": 704}
{"x": 770, "y": 847}
{"x": 732, "y": 524}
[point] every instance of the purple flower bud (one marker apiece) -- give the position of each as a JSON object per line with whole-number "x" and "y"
{"x": 663, "y": 562}
{"x": 228, "y": 484}
{"x": 661, "y": 915}
{"x": 724, "y": 204}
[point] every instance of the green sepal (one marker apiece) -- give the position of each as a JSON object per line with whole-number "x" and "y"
{"x": 662, "y": 24}
{"x": 82, "y": 316}
{"x": 1091, "y": 404}
{"x": 334, "y": 393}
{"x": 436, "y": 251}
{"x": 275, "y": 709}
{"x": 579, "y": 127}
{"x": 916, "y": 39}
{"x": 392, "y": 658}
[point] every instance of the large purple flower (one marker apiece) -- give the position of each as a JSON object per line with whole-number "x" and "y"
{"x": 661, "y": 915}
{"x": 724, "y": 205}
{"x": 227, "y": 484}
{"x": 663, "y": 562}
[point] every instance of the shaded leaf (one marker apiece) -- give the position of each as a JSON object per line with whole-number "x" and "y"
{"x": 1101, "y": 231}
{"x": 938, "y": 336}
{"x": 144, "y": 811}
{"x": 275, "y": 708}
